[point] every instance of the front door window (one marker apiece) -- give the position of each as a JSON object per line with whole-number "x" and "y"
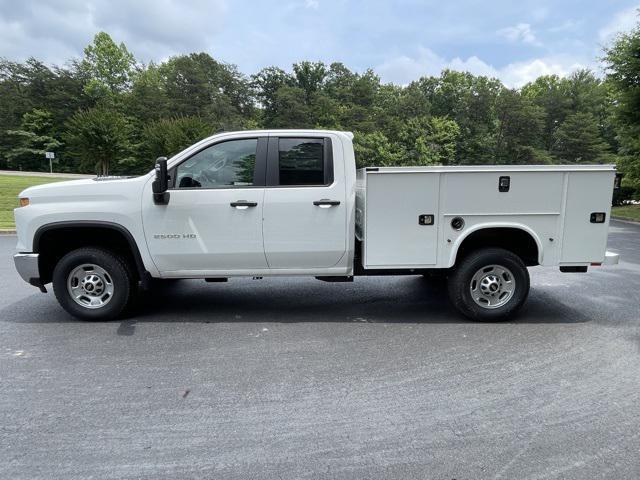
{"x": 223, "y": 165}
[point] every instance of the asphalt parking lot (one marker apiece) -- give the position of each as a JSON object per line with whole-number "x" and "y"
{"x": 295, "y": 378}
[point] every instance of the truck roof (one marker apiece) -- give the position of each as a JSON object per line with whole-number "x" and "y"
{"x": 287, "y": 131}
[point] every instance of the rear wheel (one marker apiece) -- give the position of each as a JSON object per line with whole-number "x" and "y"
{"x": 489, "y": 285}
{"x": 93, "y": 284}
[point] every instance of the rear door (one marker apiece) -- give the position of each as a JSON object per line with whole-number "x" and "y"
{"x": 305, "y": 211}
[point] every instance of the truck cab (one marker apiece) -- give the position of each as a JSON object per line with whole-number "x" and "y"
{"x": 255, "y": 203}
{"x": 291, "y": 202}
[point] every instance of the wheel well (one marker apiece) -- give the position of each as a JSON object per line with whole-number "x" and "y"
{"x": 53, "y": 242}
{"x": 513, "y": 239}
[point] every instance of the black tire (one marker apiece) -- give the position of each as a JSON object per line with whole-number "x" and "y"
{"x": 462, "y": 277}
{"x": 119, "y": 273}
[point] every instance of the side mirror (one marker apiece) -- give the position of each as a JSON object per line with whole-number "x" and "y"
{"x": 161, "y": 184}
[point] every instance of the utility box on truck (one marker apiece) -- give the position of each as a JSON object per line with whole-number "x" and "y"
{"x": 419, "y": 217}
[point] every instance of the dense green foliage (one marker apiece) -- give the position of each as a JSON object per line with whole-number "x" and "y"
{"x": 109, "y": 113}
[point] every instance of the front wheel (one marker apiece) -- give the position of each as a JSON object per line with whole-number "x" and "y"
{"x": 490, "y": 284}
{"x": 92, "y": 284}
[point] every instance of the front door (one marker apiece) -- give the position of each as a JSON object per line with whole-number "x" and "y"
{"x": 213, "y": 221}
{"x": 305, "y": 212}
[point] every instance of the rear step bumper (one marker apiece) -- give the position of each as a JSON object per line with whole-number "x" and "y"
{"x": 611, "y": 258}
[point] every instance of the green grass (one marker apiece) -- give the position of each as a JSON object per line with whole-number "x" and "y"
{"x": 628, "y": 212}
{"x": 10, "y": 187}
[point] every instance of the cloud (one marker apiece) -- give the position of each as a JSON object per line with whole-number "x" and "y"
{"x": 152, "y": 29}
{"x": 622, "y": 21}
{"x": 521, "y": 32}
{"x": 255, "y": 35}
{"x": 570, "y": 25}
{"x": 404, "y": 69}
{"x": 519, "y": 73}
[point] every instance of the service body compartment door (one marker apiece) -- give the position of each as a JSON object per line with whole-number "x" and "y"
{"x": 305, "y": 211}
{"x": 587, "y": 193}
{"x": 395, "y": 236}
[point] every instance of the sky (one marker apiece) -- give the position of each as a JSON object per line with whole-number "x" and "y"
{"x": 401, "y": 40}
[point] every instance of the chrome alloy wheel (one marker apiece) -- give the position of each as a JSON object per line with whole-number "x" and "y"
{"x": 492, "y": 286}
{"x": 90, "y": 286}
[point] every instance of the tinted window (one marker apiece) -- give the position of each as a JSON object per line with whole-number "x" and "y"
{"x": 300, "y": 161}
{"x": 224, "y": 164}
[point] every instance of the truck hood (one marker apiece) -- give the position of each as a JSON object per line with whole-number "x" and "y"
{"x": 87, "y": 188}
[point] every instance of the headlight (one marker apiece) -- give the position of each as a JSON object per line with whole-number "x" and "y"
{"x": 24, "y": 201}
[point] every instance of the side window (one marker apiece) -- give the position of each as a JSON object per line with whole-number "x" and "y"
{"x": 226, "y": 164}
{"x": 301, "y": 161}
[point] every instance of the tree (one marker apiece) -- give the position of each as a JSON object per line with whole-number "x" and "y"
{"x": 32, "y": 141}
{"x": 349, "y": 98}
{"x": 33, "y": 85}
{"x": 148, "y": 100}
{"x": 520, "y": 123}
{"x": 296, "y": 99}
{"x": 109, "y": 66}
{"x": 291, "y": 109}
{"x": 197, "y": 85}
{"x": 550, "y": 93}
{"x": 578, "y": 140}
{"x": 309, "y": 77}
{"x": 136, "y": 112}
{"x": 99, "y": 138}
{"x": 167, "y": 137}
{"x": 375, "y": 149}
{"x": 622, "y": 60}
{"x": 429, "y": 141}
{"x": 266, "y": 83}
{"x": 471, "y": 102}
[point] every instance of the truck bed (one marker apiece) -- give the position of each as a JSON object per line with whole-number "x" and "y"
{"x": 553, "y": 204}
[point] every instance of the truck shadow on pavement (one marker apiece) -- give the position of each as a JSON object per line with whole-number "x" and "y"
{"x": 370, "y": 300}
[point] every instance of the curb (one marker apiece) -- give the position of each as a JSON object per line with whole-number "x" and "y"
{"x": 625, "y": 220}
{"x": 7, "y": 232}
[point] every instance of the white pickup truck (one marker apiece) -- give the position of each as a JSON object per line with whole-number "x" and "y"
{"x": 290, "y": 202}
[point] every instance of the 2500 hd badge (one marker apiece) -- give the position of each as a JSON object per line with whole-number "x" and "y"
{"x": 163, "y": 236}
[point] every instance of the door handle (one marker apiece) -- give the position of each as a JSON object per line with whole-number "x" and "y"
{"x": 243, "y": 204}
{"x": 326, "y": 203}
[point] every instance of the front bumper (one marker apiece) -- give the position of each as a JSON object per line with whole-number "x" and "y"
{"x": 27, "y": 267}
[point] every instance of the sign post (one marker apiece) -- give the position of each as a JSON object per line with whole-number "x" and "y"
{"x": 50, "y": 156}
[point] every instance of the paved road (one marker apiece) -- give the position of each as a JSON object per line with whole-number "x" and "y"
{"x": 304, "y": 379}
